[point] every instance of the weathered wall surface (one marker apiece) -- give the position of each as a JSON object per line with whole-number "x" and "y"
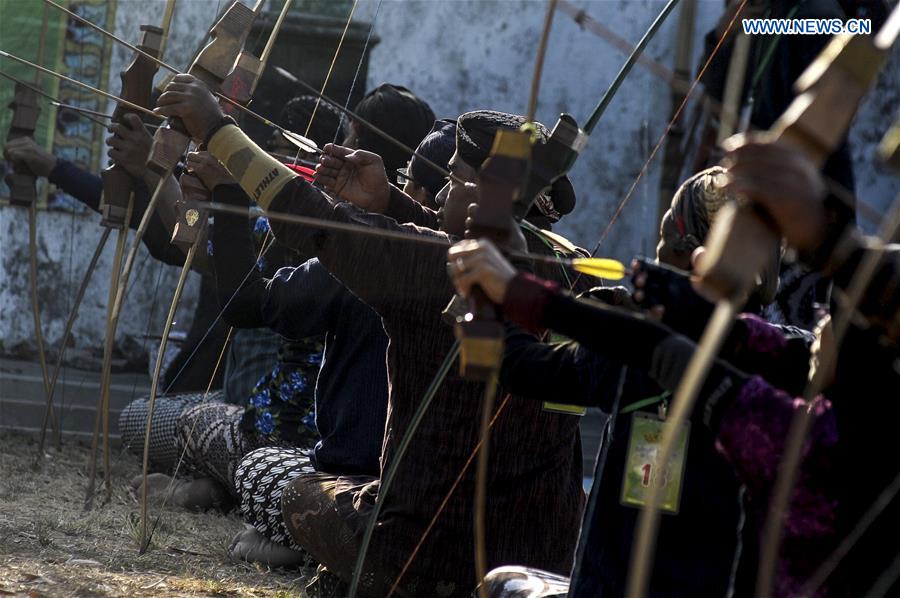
{"x": 66, "y": 242}
{"x": 460, "y": 55}
{"x": 468, "y": 54}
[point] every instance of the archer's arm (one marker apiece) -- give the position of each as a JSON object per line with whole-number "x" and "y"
{"x": 376, "y": 269}
{"x": 562, "y": 372}
{"x": 297, "y": 302}
{"x": 404, "y": 209}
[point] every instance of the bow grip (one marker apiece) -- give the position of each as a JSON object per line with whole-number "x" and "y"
{"x": 500, "y": 183}
{"x": 169, "y": 144}
{"x": 550, "y": 160}
{"x": 241, "y": 81}
{"x": 219, "y": 56}
{"x": 742, "y": 240}
{"x": 739, "y": 245}
{"x": 26, "y": 111}
{"x": 117, "y": 191}
{"x": 137, "y": 86}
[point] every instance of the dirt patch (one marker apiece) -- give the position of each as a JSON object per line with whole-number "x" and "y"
{"x": 51, "y": 546}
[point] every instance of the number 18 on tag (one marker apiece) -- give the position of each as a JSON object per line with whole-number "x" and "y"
{"x": 642, "y": 470}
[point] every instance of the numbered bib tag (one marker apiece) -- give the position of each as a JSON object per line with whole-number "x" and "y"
{"x": 642, "y": 471}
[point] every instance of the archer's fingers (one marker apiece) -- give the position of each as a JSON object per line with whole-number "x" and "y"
{"x": 462, "y": 249}
{"x": 338, "y": 151}
{"x": 132, "y": 121}
{"x": 329, "y": 183}
{"x": 182, "y": 78}
{"x": 331, "y": 163}
{"x": 329, "y": 173}
{"x": 20, "y": 143}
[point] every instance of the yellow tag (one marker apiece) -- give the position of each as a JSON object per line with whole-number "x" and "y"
{"x": 191, "y": 216}
{"x": 642, "y": 470}
{"x": 562, "y": 407}
{"x": 566, "y": 409}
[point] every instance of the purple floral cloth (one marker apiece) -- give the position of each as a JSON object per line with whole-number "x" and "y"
{"x": 752, "y": 435}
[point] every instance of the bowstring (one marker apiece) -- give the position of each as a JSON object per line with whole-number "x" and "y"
{"x": 69, "y": 302}
{"x": 668, "y": 129}
{"x": 334, "y": 58}
{"x": 356, "y": 74}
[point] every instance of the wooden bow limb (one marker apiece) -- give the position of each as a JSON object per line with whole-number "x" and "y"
{"x": 188, "y": 233}
{"x": 23, "y": 193}
{"x": 247, "y": 78}
{"x": 503, "y": 178}
{"x": 116, "y": 207}
{"x": 803, "y": 418}
{"x": 668, "y": 129}
{"x": 633, "y": 57}
{"x": 154, "y": 387}
{"x": 739, "y": 244}
{"x": 244, "y": 62}
{"x": 481, "y": 481}
{"x": 102, "y": 413}
{"x": 673, "y": 156}
{"x": 176, "y": 298}
{"x": 211, "y": 66}
{"x": 36, "y": 309}
{"x": 67, "y": 333}
{"x": 239, "y": 85}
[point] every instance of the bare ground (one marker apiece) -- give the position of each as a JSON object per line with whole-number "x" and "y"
{"x": 51, "y": 546}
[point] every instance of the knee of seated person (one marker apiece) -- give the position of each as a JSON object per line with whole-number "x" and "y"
{"x": 129, "y": 428}
{"x": 248, "y": 467}
{"x": 304, "y": 502}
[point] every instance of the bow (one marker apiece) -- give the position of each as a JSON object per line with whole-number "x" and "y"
{"x": 549, "y": 161}
{"x": 116, "y": 208}
{"x": 740, "y": 243}
{"x": 23, "y": 193}
{"x": 212, "y": 66}
{"x": 89, "y": 115}
{"x": 502, "y": 181}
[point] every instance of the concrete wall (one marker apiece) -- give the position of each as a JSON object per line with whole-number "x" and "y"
{"x": 460, "y": 55}
{"x": 66, "y": 242}
{"x": 467, "y": 54}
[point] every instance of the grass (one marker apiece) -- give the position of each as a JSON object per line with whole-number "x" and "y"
{"x": 51, "y": 546}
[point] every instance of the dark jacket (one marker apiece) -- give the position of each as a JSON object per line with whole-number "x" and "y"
{"x": 534, "y": 495}
{"x": 304, "y": 301}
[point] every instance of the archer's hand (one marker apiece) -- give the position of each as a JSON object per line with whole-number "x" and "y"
{"x": 356, "y": 176}
{"x": 782, "y": 181}
{"x": 130, "y": 144}
{"x": 210, "y": 170}
{"x": 479, "y": 263}
{"x": 187, "y": 98}
{"x": 24, "y": 152}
